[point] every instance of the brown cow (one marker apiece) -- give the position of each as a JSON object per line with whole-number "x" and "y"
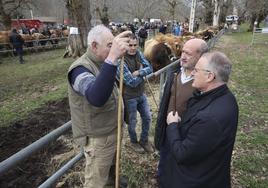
{"x": 65, "y": 33}
{"x": 159, "y": 49}
{"x": 4, "y": 36}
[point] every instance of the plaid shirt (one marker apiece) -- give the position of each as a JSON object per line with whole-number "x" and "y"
{"x": 131, "y": 80}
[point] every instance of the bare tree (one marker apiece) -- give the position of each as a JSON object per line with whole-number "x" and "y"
{"x": 226, "y": 8}
{"x": 257, "y": 9}
{"x": 208, "y": 6}
{"x": 141, "y": 8}
{"x": 79, "y": 12}
{"x": 10, "y": 8}
{"x": 103, "y": 14}
{"x": 217, "y": 11}
{"x": 172, "y": 4}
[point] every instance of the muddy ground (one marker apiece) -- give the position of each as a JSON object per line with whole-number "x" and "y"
{"x": 37, "y": 168}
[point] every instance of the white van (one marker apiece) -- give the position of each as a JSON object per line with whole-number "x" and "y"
{"x": 231, "y": 18}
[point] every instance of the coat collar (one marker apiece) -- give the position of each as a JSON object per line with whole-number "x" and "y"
{"x": 200, "y": 101}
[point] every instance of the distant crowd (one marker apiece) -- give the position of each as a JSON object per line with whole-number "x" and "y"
{"x": 141, "y": 30}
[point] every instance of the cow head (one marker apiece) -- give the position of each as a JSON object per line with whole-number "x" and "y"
{"x": 161, "y": 49}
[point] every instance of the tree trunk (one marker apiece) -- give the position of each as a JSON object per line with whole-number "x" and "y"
{"x": 216, "y": 13}
{"x": 5, "y": 18}
{"x": 209, "y": 12}
{"x": 224, "y": 10}
{"x": 79, "y": 12}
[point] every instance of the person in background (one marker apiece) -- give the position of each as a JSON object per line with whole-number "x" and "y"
{"x": 25, "y": 29}
{"x": 176, "y": 30}
{"x": 201, "y": 141}
{"x": 162, "y": 29}
{"x": 135, "y": 68}
{"x": 178, "y": 89}
{"x": 17, "y": 42}
{"x": 143, "y": 34}
{"x": 93, "y": 100}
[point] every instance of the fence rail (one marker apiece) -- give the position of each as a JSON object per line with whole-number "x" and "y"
{"x": 54, "y": 135}
{"x": 36, "y": 44}
{"x": 259, "y": 36}
{"x": 32, "y": 148}
{"x": 54, "y": 178}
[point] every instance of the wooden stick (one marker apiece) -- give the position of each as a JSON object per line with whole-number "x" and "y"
{"x": 119, "y": 124}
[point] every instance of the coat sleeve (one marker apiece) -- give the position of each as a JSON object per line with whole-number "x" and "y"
{"x": 160, "y": 127}
{"x": 202, "y": 137}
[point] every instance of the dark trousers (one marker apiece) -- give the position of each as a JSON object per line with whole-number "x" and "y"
{"x": 164, "y": 150}
{"x": 142, "y": 42}
{"x": 19, "y": 52}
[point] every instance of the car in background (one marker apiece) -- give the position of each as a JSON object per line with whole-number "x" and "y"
{"x": 231, "y": 18}
{"x": 232, "y": 22}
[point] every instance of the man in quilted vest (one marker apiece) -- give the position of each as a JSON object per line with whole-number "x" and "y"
{"x": 93, "y": 100}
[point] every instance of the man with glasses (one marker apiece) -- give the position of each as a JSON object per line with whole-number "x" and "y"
{"x": 135, "y": 68}
{"x": 178, "y": 89}
{"x": 201, "y": 141}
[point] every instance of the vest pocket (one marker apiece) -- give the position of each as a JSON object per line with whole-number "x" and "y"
{"x": 108, "y": 106}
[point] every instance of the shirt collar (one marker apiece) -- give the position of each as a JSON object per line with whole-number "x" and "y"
{"x": 185, "y": 78}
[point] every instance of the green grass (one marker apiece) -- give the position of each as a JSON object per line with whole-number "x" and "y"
{"x": 249, "y": 83}
{"x": 26, "y": 87}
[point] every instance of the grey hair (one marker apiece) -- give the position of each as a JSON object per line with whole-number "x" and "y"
{"x": 96, "y": 34}
{"x": 220, "y": 64}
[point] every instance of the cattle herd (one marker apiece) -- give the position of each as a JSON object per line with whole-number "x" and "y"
{"x": 33, "y": 39}
{"x": 161, "y": 49}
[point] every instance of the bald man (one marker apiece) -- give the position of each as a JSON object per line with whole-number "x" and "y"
{"x": 178, "y": 89}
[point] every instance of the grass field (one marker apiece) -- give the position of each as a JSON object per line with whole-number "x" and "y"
{"x": 249, "y": 82}
{"x": 24, "y": 88}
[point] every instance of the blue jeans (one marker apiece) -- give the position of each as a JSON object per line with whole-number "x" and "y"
{"x": 141, "y": 105}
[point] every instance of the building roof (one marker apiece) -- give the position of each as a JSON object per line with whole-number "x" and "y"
{"x": 48, "y": 19}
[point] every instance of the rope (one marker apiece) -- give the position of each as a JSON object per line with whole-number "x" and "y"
{"x": 150, "y": 88}
{"x": 119, "y": 124}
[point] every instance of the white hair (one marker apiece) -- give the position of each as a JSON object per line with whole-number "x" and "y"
{"x": 96, "y": 34}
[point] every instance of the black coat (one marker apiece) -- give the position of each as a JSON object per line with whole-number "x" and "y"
{"x": 201, "y": 145}
{"x": 160, "y": 127}
{"x": 16, "y": 40}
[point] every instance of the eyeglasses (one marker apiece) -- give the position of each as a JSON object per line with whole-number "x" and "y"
{"x": 197, "y": 70}
{"x": 134, "y": 45}
{"x": 205, "y": 70}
